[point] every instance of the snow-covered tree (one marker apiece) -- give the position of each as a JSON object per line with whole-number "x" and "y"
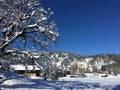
{"x": 25, "y": 24}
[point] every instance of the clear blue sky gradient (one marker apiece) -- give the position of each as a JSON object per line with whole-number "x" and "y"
{"x": 87, "y": 26}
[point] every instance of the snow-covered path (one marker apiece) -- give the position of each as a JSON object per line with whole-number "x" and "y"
{"x": 21, "y": 83}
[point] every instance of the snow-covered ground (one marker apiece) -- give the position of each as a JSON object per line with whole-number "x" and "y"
{"x": 15, "y": 82}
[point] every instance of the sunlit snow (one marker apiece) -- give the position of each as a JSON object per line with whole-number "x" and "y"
{"x": 15, "y": 82}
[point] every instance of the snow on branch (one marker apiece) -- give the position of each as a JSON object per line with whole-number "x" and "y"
{"x": 22, "y": 19}
{"x": 32, "y": 25}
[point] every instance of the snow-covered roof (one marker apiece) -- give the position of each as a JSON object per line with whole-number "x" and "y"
{"x": 23, "y": 67}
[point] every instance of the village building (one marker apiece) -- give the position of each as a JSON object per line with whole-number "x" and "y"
{"x": 78, "y": 67}
{"x": 28, "y": 70}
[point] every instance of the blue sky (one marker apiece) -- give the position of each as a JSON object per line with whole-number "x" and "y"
{"x": 87, "y": 26}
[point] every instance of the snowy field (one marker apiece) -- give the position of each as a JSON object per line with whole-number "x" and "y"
{"x": 15, "y": 82}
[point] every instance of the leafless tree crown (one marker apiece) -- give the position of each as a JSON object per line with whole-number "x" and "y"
{"x": 25, "y": 21}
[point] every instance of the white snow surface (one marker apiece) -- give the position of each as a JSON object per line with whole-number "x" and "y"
{"x": 16, "y": 82}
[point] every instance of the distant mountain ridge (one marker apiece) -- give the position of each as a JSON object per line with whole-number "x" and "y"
{"x": 65, "y": 58}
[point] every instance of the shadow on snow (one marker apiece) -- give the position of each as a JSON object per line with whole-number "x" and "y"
{"x": 58, "y": 85}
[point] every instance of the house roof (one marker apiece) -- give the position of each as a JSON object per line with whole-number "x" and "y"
{"x": 23, "y": 67}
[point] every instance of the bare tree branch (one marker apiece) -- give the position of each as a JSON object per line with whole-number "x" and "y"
{"x": 25, "y": 19}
